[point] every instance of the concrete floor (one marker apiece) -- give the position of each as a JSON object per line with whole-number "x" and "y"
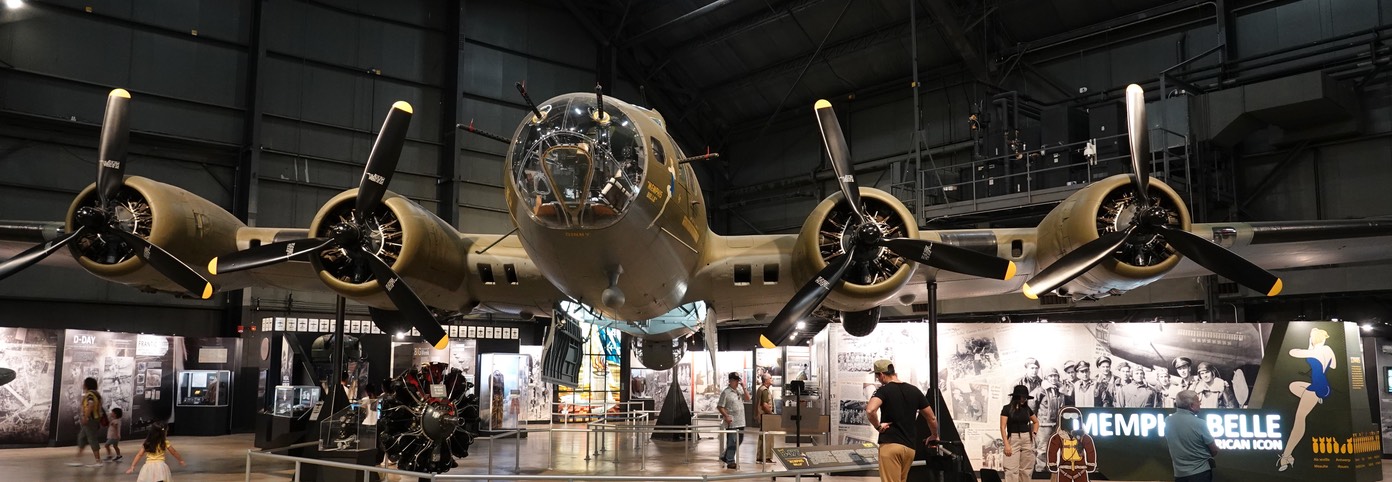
{"x": 221, "y": 459}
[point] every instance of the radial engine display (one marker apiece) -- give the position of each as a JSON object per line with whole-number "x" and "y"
{"x": 429, "y": 417}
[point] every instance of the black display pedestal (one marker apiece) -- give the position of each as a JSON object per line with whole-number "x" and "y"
{"x": 319, "y": 473}
{"x": 274, "y": 432}
{"x": 196, "y": 420}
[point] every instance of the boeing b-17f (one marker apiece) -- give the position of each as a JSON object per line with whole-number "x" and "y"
{"x": 610, "y": 221}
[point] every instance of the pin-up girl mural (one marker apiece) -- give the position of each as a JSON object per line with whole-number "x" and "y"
{"x": 1320, "y": 358}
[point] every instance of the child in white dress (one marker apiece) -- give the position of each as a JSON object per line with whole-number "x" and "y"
{"x": 153, "y": 451}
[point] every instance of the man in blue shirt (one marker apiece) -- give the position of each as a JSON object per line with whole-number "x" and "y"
{"x": 1191, "y": 445}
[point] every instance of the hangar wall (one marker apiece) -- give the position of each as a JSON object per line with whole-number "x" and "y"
{"x": 1266, "y": 41}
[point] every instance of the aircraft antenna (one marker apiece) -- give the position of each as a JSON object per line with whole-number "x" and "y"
{"x": 599, "y": 115}
{"x": 536, "y": 113}
{"x": 483, "y": 133}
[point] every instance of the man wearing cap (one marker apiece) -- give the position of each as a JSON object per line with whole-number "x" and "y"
{"x": 1085, "y": 391}
{"x": 1106, "y": 383}
{"x": 1070, "y": 381}
{"x": 1184, "y": 367}
{"x": 1046, "y": 405}
{"x": 763, "y": 405}
{"x": 892, "y": 411}
{"x": 1132, "y": 393}
{"x": 731, "y": 408}
{"x": 1031, "y": 380}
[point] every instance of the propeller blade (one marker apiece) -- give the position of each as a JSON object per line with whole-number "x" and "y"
{"x": 1139, "y": 135}
{"x": 407, "y": 302}
{"x": 266, "y": 254}
{"x": 1221, "y": 261}
{"x": 1075, "y": 263}
{"x": 111, "y": 153}
{"x": 36, "y": 254}
{"x": 803, "y": 303}
{"x": 168, "y": 265}
{"x": 951, "y": 258}
{"x": 840, "y": 154}
{"x": 381, "y": 163}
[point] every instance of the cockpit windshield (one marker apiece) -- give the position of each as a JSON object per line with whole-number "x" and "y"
{"x": 577, "y": 169}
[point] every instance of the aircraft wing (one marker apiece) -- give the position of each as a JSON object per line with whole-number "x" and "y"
{"x": 1296, "y": 244}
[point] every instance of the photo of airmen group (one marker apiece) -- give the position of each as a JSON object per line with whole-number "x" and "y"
{"x": 1089, "y": 365}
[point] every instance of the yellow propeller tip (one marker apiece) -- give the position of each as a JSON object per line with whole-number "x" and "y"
{"x": 212, "y": 267}
{"x": 444, "y": 342}
{"x": 1029, "y": 292}
{"x": 822, "y": 104}
{"x": 1009, "y": 271}
{"x": 764, "y": 342}
{"x": 403, "y": 106}
{"x": 120, "y": 93}
{"x": 1276, "y": 288}
{"x": 207, "y": 290}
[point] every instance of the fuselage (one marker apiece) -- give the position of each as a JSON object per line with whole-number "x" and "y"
{"x": 603, "y": 207}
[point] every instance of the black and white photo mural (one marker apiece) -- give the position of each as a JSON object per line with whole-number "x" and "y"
{"x": 906, "y": 344}
{"x": 26, "y": 401}
{"x": 1116, "y": 365}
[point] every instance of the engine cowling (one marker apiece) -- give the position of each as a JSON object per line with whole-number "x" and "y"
{"x": 418, "y": 245}
{"x": 867, "y": 284}
{"x": 1107, "y": 206}
{"x": 189, "y": 227}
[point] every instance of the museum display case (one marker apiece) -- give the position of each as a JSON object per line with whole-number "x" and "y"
{"x": 204, "y": 388}
{"x": 294, "y": 401}
{"x": 501, "y": 389}
{"x": 349, "y": 429}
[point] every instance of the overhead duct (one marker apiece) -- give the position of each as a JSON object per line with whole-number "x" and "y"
{"x": 1305, "y": 107}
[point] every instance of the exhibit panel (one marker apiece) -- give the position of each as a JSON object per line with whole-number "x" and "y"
{"x": 26, "y": 401}
{"x": 538, "y": 397}
{"x": 852, "y": 384}
{"x": 109, "y": 358}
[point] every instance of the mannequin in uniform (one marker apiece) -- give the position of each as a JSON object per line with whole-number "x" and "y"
{"x": 1071, "y": 454}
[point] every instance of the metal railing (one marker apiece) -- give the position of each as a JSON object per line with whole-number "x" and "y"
{"x": 1019, "y": 178}
{"x": 597, "y": 429}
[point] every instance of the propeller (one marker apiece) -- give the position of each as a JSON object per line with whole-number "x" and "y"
{"x": 866, "y": 237}
{"x": 1150, "y": 223}
{"x": 353, "y": 236}
{"x": 109, "y": 218}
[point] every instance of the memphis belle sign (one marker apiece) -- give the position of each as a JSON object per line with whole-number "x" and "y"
{"x": 1231, "y": 429}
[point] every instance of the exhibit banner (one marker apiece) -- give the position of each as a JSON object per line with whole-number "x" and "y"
{"x": 539, "y": 394}
{"x": 105, "y": 356}
{"x": 852, "y": 384}
{"x": 26, "y": 401}
{"x": 1104, "y": 365}
{"x": 153, "y": 394}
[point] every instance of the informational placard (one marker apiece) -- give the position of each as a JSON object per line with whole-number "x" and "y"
{"x": 212, "y": 355}
{"x": 512, "y": 333}
{"x": 280, "y": 324}
{"x": 473, "y": 331}
{"x": 817, "y": 456}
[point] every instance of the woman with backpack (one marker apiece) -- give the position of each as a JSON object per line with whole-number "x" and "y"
{"x": 89, "y": 422}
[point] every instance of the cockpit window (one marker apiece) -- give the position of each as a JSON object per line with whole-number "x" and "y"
{"x": 574, "y": 169}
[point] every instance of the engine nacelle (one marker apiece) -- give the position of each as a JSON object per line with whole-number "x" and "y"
{"x": 820, "y": 239}
{"x": 189, "y": 227}
{"x": 418, "y": 245}
{"x": 860, "y": 323}
{"x": 1106, "y": 206}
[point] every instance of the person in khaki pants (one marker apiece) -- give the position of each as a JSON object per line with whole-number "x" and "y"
{"x": 763, "y": 405}
{"x": 892, "y": 410}
{"x": 1019, "y": 426}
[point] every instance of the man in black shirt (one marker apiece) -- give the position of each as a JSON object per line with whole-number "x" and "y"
{"x": 897, "y": 402}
